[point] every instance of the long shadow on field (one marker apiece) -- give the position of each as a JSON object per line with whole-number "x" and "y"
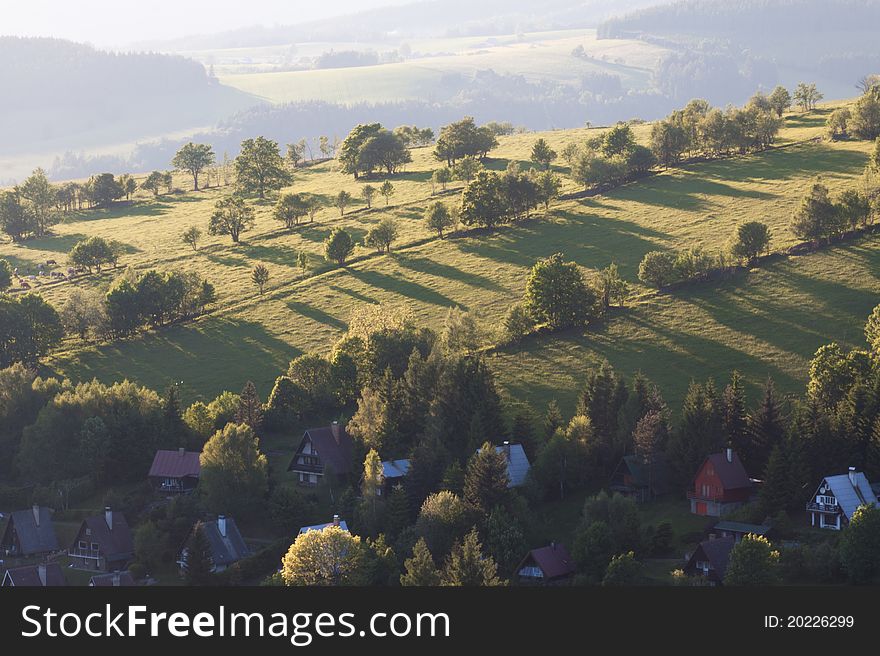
{"x": 399, "y": 285}
{"x": 278, "y": 254}
{"x": 797, "y": 162}
{"x": 53, "y": 243}
{"x": 316, "y": 314}
{"x": 685, "y": 192}
{"x": 424, "y": 265}
{"x": 363, "y": 298}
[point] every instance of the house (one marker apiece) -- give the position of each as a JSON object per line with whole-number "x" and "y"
{"x": 320, "y": 527}
{"x": 34, "y": 576}
{"x": 29, "y": 533}
{"x": 738, "y": 530}
{"x": 837, "y": 498}
{"x": 321, "y": 450}
{"x": 103, "y": 543}
{"x": 720, "y": 486}
{"x": 224, "y": 541}
{"x": 634, "y": 478}
{"x": 393, "y": 472}
{"x": 547, "y": 565}
{"x": 175, "y": 472}
{"x": 517, "y": 463}
{"x": 115, "y": 580}
{"x": 710, "y": 559}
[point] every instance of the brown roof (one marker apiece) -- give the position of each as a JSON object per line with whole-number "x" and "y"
{"x": 732, "y": 474}
{"x": 175, "y": 464}
{"x": 117, "y": 544}
{"x": 29, "y": 576}
{"x": 554, "y": 561}
{"x": 716, "y": 552}
{"x": 336, "y": 455}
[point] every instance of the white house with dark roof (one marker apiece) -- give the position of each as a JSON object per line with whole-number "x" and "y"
{"x": 838, "y": 497}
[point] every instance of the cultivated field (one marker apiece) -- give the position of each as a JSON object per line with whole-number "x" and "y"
{"x": 767, "y": 322}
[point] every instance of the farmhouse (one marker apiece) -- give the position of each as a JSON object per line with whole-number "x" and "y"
{"x": 639, "y": 480}
{"x": 720, "y": 486}
{"x": 224, "y": 541}
{"x": 34, "y": 576}
{"x": 710, "y": 559}
{"x": 103, "y": 543}
{"x": 837, "y": 498}
{"x": 29, "y": 533}
{"x": 115, "y": 580}
{"x": 320, "y": 527}
{"x": 320, "y": 451}
{"x": 547, "y": 565}
{"x": 175, "y": 472}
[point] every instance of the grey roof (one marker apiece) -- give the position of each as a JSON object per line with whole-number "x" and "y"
{"x": 717, "y": 552}
{"x": 29, "y": 576}
{"x": 34, "y": 539}
{"x": 338, "y": 455}
{"x": 517, "y": 463}
{"x": 114, "y": 580}
{"x": 850, "y": 497}
{"x": 741, "y": 527}
{"x": 227, "y": 549}
{"x": 395, "y": 468}
{"x": 321, "y": 527}
{"x": 116, "y": 544}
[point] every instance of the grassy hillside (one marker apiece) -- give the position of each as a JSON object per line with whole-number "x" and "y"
{"x": 765, "y": 322}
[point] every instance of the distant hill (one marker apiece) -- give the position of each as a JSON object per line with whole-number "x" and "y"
{"x": 63, "y": 95}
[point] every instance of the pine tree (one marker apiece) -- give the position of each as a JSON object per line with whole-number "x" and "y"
{"x": 397, "y": 516}
{"x": 250, "y": 410}
{"x": 766, "y": 430}
{"x": 872, "y": 454}
{"x": 552, "y": 420}
{"x": 485, "y": 482}
{"x": 175, "y": 427}
{"x": 371, "y": 487}
{"x": 420, "y": 570}
{"x": 468, "y": 567}
{"x": 601, "y": 400}
{"x": 734, "y": 421}
{"x": 649, "y": 438}
{"x": 776, "y": 492}
{"x": 199, "y": 563}
{"x": 697, "y": 435}
{"x": 523, "y": 430}
{"x": 453, "y": 478}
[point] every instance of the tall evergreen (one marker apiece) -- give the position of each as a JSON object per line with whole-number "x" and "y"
{"x": 175, "y": 428}
{"x": 523, "y": 431}
{"x": 468, "y": 567}
{"x": 199, "y": 562}
{"x": 734, "y": 421}
{"x": 777, "y": 489}
{"x": 250, "y": 409}
{"x": 766, "y": 430}
{"x": 397, "y": 516}
{"x": 698, "y": 434}
{"x": 485, "y": 481}
{"x": 601, "y": 400}
{"x": 420, "y": 570}
{"x": 552, "y": 420}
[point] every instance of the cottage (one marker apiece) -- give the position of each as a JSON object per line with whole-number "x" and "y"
{"x": 639, "y": 480}
{"x": 224, "y": 541}
{"x": 838, "y": 497}
{"x": 738, "y": 530}
{"x": 34, "y": 576}
{"x": 710, "y": 559}
{"x": 29, "y": 533}
{"x": 103, "y": 543}
{"x": 115, "y": 580}
{"x": 320, "y": 527}
{"x": 720, "y": 486}
{"x": 547, "y": 565}
{"x": 175, "y": 472}
{"x": 517, "y": 463}
{"x": 322, "y": 450}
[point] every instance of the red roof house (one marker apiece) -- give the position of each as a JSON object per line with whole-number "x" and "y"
{"x": 550, "y": 564}
{"x": 720, "y": 486}
{"x": 175, "y": 471}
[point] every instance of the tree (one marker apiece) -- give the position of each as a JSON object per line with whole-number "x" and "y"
{"x": 657, "y": 269}
{"x": 668, "y": 142}
{"x": 865, "y": 121}
{"x": 806, "y": 96}
{"x": 105, "y": 189}
{"x": 486, "y": 479}
{"x": 83, "y": 311}
{"x": 342, "y": 200}
{"x": 260, "y": 276}
{"x": 191, "y": 237}
{"x": 330, "y": 556}
{"x": 467, "y": 169}
{"x": 16, "y": 218}
{"x": 557, "y": 294}
{"x": 349, "y": 150}
{"x": 259, "y": 167}
{"x": 5, "y": 275}
{"x": 199, "y": 562}
{"x": 437, "y": 218}
{"x": 234, "y": 473}
{"x": 149, "y": 545}
{"x": 442, "y": 177}
{"x": 232, "y": 216}
{"x": 860, "y": 545}
{"x": 854, "y": 208}
{"x": 468, "y": 567}
{"x": 193, "y": 159}
{"x": 442, "y": 520}
{"x": 837, "y": 123}
{"x": 338, "y": 246}
{"x": 752, "y": 239}
{"x": 92, "y": 253}
{"x": 387, "y": 191}
{"x": 382, "y": 235}
{"x": 313, "y": 205}
{"x": 619, "y": 140}
{"x": 542, "y": 153}
{"x": 463, "y": 139}
{"x": 613, "y": 287}
{"x": 42, "y": 199}
{"x": 780, "y": 100}
{"x": 624, "y": 569}
{"x": 548, "y": 187}
{"x": 420, "y": 569}
{"x": 383, "y": 149}
{"x": 752, "y": 562}
{"x": 368, "y": 192}
{"x": 816, "y": 218}
{"x": 250, "y": 410}
{"x": 371, "y": 484}
{"x": 154, "y": 182}
{"x": 289, "y": 209}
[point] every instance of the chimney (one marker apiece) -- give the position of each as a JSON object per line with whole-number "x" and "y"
{"x": 553, "y": 546}
{"x": 116, "y": 580}
{"x": 108, "y": 517}
{"x": 181, "y": 452}
{"x": 36, "y": 511}
{"x": 507, "y": 449}
{"x": 221, "y": 525}
{"x": 852, "y": 476}
{"x": 41, "y": 572}
{"x": 334, "y": 428}
{"x": 729, "y": 454}
{"x": 335, "y": 520}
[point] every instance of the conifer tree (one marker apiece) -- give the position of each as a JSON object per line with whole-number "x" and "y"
{"x": 766, "y": 429}
{"x": 250, "y": 409}
{"x": 398, "y": 512}
{"x": 485, "y": 482}
{"x": 552, "y": 420}
{"x": 199, "y": 563}
{"x": 734, "y": 421}
{"x": 468, "y": 567}
{"x": 776, "y": 492}
{"x": 420, "y": 570}
{"x": 698, "y": 434}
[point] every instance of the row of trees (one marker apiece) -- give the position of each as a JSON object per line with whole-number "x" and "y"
{"x": 862, "y": 121}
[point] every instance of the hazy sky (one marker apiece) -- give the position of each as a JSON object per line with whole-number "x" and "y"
{"x": 120, "y": 22}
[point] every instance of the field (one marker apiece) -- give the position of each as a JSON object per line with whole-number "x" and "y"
{"x": 765, "y": 322}
{"x": 536, "y": 56}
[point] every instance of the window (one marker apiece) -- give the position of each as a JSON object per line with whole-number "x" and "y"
{"x": 95, "y": 546}
{"x": 88, "y": 531}
{"x": 83, "y": 545}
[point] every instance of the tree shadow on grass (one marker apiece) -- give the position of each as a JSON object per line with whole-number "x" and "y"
{"x": 403, "y": 287}
{"x": 316, "y": 314}
{"x": 54, "y": 243}
{"x": 425, "y": 265}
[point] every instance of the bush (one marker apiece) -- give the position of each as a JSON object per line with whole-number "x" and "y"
{"x": 658, "y": 269}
